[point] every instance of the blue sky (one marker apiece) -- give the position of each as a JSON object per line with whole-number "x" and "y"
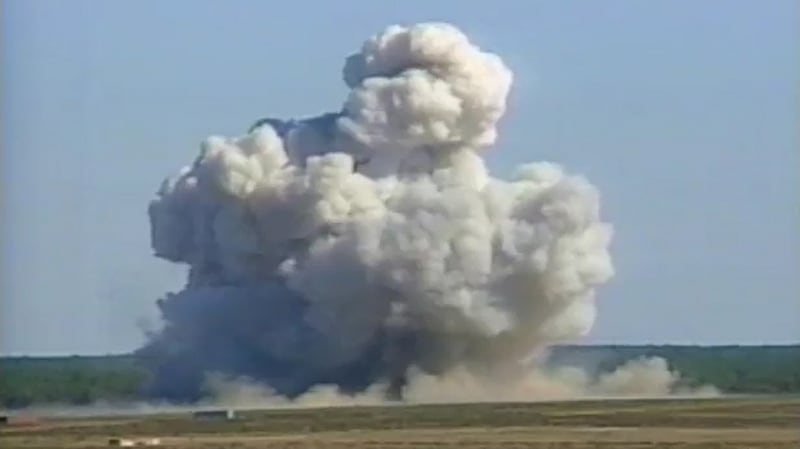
{"x": 683, "y": 113}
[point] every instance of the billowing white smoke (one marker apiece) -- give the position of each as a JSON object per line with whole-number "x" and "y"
{"x": 353, "y": 247}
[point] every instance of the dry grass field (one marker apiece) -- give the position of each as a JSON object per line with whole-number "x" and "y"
{"x": 751, "y": 423}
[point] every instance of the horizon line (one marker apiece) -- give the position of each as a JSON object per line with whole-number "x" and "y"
{"x": 587, "y": 345}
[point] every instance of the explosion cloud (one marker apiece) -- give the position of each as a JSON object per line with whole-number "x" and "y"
{"x": 357, "y": 248}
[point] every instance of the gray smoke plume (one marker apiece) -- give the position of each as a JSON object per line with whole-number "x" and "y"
{"x": 358, "y": 247}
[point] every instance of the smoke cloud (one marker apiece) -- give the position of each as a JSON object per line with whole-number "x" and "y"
{"x": 369, "y": 250}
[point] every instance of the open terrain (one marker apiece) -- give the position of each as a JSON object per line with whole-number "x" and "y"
{"x": 746, "y": 423}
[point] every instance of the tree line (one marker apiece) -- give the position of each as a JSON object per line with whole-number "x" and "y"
{"x": 77, "y": 380}
{"x": 732, "y": 369}
{"x": 82, "y": 380}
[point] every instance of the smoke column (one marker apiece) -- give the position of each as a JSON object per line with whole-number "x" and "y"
{"x": 370, "y": 246}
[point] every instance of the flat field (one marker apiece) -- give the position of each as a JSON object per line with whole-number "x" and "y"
{"x": 746, "y": 423}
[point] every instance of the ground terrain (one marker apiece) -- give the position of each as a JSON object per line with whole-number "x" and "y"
{"x": 746, "y": 423}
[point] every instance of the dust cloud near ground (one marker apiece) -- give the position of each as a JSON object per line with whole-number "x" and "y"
{"x": 638, "y": 378}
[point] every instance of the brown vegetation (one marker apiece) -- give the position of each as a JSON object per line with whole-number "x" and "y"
{"x": 709, "y": 423}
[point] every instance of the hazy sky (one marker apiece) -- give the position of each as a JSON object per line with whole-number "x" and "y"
{"x": 683, "y": 113}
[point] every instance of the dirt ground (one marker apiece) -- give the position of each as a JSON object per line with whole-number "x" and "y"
{"x": 687, "y": 424}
